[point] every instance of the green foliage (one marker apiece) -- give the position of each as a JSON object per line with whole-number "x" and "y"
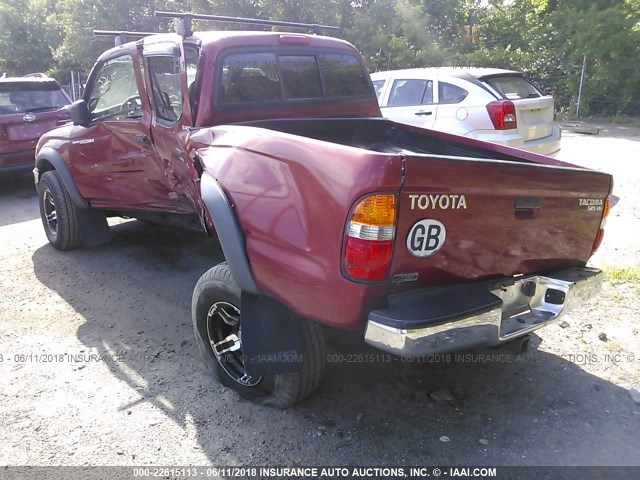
{"x": 546, "y": 39}
{"x": 549, "y": 40}
{"x": 29, "y": 35}
{"x": 78, "y": 18}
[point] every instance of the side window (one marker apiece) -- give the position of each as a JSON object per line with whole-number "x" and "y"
{"x": 250, "y": 77}
{"x": 301, "y": 77}
{"x": 164, "y": 73}
{"x": 427, "y": 97}
{"x": 377, "y": 86}
{"x": 411, "y": 92}
{"x": 114, "y": 93}
{"x": 450, "y": 93}
{"x": 191, "y": 53}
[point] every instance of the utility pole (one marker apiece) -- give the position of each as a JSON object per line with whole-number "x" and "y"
{"x": 584, "y": 64}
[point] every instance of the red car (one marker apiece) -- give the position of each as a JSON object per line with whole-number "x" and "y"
{"x": 327, "y": 213}
{"x": 29, "y": 107}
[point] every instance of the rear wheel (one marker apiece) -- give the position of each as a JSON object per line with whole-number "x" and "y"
{"x": 218, "y": 323}
{"x": 59, "y": 215}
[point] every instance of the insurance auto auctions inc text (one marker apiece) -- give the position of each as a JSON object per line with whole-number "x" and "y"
{"x": 374, "y": 472}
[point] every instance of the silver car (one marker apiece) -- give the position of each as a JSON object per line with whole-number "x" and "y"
{"x": 489, "y": 104}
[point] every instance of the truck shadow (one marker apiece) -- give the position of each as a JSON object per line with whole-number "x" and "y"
{"x": 18, "y": 200}
{"x": 372, "y": 409}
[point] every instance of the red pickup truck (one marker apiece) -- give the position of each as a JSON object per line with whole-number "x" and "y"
{"x": 328, "y": 214}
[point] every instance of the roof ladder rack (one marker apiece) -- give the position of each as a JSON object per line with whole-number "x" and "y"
{"x": 121, "y": 38}
{"x": 184, "y": 25}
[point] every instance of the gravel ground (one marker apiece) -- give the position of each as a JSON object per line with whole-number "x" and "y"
{"x": 99, "y": 366}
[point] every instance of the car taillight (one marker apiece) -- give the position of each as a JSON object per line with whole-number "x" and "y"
{"x": 606, "y": 208}
{"x": 502, "y": 114}
{"x": 370, "y": 233}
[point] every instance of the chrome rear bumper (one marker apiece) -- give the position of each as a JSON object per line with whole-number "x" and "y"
{"x": 447, "y": 319}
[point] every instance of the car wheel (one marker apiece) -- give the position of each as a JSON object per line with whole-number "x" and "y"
{"x": 59, "y": 215}
{"x": 217, "y": 321}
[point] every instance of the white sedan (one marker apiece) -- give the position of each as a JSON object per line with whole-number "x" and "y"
{"x": 494, "y": 105}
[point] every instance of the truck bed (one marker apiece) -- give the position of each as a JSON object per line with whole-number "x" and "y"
{"x": 382, "y": 135}
{"x": 498, "y": 211}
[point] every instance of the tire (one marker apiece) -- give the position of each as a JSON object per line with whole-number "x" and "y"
{"x": 59, "y": 215}
{"x": 216, "y": 316}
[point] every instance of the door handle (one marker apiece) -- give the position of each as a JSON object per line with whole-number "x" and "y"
{"x": 142, "y": 140}
{"x": 424, "y": 112}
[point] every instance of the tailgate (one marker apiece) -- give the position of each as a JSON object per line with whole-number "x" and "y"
{"x": 535, "y": 117}
{"x": 470, "y": 219}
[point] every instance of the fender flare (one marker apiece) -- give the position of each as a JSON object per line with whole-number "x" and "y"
{"x": 48, "y": 154}
{"x": 94, "y": 229}
{"x": 229, "y": 233}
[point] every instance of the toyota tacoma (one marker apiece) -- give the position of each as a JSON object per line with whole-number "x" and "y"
{"x": 328, "y": 214}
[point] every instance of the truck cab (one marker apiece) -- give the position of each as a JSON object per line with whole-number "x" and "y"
{"x": 143, "y": 97}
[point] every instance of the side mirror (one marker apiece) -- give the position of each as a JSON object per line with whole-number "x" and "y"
{"x": 80, "y": 113}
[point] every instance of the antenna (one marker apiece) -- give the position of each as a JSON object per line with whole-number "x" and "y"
{"x": 122, "y": 37}
{"x": 184, "y": 26}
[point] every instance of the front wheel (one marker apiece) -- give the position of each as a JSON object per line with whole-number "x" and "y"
{"x": 217, "y": 320}
{"x": 59, "y": 215}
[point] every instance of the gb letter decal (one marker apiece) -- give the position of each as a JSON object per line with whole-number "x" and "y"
{"x": 426, "y": 237}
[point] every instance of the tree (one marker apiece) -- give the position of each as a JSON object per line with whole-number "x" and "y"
{"x": 79, "y": 18}
{"x": 30, "y": 34}
{"x": 546, "y": 39}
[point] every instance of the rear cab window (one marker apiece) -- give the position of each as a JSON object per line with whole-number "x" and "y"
{"x": 344, "y": 75}
{"x": 512, "y": 87}
{"x": 279, "y": 77}
{"x": 300, "y": 76}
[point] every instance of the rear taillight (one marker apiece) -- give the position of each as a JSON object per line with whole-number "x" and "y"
{"x": 370, "y": 233}
{"x": 606, "y": 208}
{"x": 502, "y": 114}
{"x": 598, "y": 241}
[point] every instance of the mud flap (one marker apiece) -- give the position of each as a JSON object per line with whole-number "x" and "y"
{"x": 271, "y": 337}
{"x": 94, "y": 228}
